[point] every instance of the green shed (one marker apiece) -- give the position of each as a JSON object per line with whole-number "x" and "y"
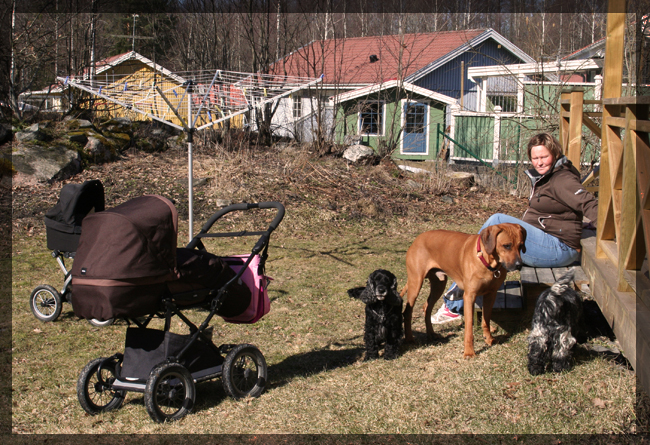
{"x": 393, "y": 117}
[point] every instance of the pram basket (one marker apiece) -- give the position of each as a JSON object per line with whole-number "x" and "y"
{"x": 166, "y": 366}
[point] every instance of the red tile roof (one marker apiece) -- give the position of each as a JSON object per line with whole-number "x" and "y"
{"x": 347, "y": 61}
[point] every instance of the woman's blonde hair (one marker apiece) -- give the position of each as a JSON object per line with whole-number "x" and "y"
{"x": 548, "y": 141}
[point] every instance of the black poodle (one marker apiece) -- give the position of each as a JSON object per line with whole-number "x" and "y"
{"x": 384, "y": 323}
{"x": 558, "y": 323}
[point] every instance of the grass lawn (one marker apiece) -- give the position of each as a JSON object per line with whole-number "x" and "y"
{"x": 313, "y": 344}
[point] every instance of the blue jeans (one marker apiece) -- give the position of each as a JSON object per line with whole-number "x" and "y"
{"x": 542, "y": 250}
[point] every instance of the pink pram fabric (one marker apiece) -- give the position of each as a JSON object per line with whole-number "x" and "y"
{"x": 257, "y": 282}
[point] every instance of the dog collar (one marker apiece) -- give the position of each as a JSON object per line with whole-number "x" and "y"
{"x": 479, "y": 254}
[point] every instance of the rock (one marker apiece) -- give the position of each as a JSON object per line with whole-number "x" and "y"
{"x": 447, "y": 199}
{"x": 32, "y": 134}
{"x": 359, "y": 153}
{"x": 76, "y": 124}
{"x": 199, "y": 182}
{"x": 413, "y": 184}
{"x": 96, "y": 150}
{"x": 223, "y": 202}
{"x": 78, "y": 137}
{"x": 118, "y": 125}
{"x": 174, "y": 142}
{"x": 44, "y": 164}
{"x": 461, "y": 179}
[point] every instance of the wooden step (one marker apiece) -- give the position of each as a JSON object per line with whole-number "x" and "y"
{"x": 509, "y": 296}
{"x": 538, "y": 276}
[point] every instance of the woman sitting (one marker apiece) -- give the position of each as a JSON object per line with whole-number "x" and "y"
{"x": 553, "y": 219}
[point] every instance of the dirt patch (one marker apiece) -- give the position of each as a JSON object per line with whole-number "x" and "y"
{"x": 329, "y": 186}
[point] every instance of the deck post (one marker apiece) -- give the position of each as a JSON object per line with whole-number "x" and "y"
{"x": 574, "y": 146}
{"x": 612, "y": 87}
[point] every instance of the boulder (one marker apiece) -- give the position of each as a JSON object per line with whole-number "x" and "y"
{"x": 77, "y": 124}
{"x": 83, "y": 123}
{"x": 118, "y": 125}
{"x": 78, "y": 137}
{"x": 461, "y": 179}
{"x": 97, "y": 150}
{"x": 359, "y": 153}
{"x": 175, "y": 143}
{"x": 33, "y": 133}
{"x": 413, "y": 185}
{"x": 34, "y": 163}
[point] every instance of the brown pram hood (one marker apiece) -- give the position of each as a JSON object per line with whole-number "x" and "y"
{"x": 125, "y": 257}
{"x": 135, "y": 240}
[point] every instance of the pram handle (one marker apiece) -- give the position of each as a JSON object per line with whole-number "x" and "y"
{"x": 203, "y": 233}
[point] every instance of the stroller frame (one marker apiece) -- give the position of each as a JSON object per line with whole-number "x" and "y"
{"x": 46, "y": 302}
{"x": 169, "y": 388}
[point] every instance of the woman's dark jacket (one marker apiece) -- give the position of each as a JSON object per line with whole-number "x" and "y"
{"x": 558, "y": 202}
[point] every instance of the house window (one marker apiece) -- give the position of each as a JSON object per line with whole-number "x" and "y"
{"x": 507, "y": 103}
{"x": 415, "y": 118}
{"x": 371, "y": 118}
{"x": 297, "y": 107}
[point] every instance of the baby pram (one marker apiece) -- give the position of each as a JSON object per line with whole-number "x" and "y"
{"x": 127, "y": 266}
{"x": 63, "y": 230}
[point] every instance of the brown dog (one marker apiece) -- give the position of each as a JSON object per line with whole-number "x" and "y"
{"x": 477, "y": 263}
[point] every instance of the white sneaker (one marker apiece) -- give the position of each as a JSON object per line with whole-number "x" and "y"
{"x": 444, "y": 315}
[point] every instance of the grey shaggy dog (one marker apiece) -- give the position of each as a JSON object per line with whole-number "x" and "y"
{"x": 384, "y": 323}
{"x": 557, "y": 324}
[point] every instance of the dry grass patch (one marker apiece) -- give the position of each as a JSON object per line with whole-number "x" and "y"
{"x": 313, "y": 337}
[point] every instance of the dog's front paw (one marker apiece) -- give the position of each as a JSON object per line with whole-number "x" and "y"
{"x": 468, "y": 355}
{"x": 389, "y": 355}
{"x": 536, "y": 365}
{"x": 370, "y": 356}
{"x": 489, "y": 340}
{"x": 561, "y": 365}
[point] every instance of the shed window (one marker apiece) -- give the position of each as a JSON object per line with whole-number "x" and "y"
{"x": 371, "y": 118}
{"x": 297, "y": 107}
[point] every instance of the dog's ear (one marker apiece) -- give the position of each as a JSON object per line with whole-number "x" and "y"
{"x": 356, "y": 292}
{"x": 363, "y": 294}
{"x": 489, "y": 238}
{"x": 523, "y": 239}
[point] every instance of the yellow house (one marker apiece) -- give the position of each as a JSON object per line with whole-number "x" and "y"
{"x": 129, "y": 85}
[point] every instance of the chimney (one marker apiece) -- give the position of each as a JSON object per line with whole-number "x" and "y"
{"x": 373, "y": 58}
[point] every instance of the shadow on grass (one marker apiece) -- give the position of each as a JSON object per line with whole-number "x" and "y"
{"x": 312, "y": 362}
{"x": 598, "y": 331}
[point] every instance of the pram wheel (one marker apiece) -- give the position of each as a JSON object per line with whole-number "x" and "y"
{"x": 100, "y": 323}
{"x": 169, "y": 393}
{"x": 45, "y": 303}
{"x": 94, "y": 390}
{"x": 244, "y": 372}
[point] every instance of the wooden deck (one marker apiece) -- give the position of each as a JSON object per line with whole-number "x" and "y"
{"x": 509, "y": 310}
{"x": 515, "y": 302}
{"x": 628, "y": 313}
{"x": 532, "y": 277}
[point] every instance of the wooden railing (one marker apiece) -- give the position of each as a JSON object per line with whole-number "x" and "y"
{"x": 623, "y": 234}
{"x": 572, "y": 118}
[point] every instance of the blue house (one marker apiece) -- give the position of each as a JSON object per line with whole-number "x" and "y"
{"x": 437, "y": 62}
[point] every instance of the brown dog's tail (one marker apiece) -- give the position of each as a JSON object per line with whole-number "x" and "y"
{"x": 404, "y": 290}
